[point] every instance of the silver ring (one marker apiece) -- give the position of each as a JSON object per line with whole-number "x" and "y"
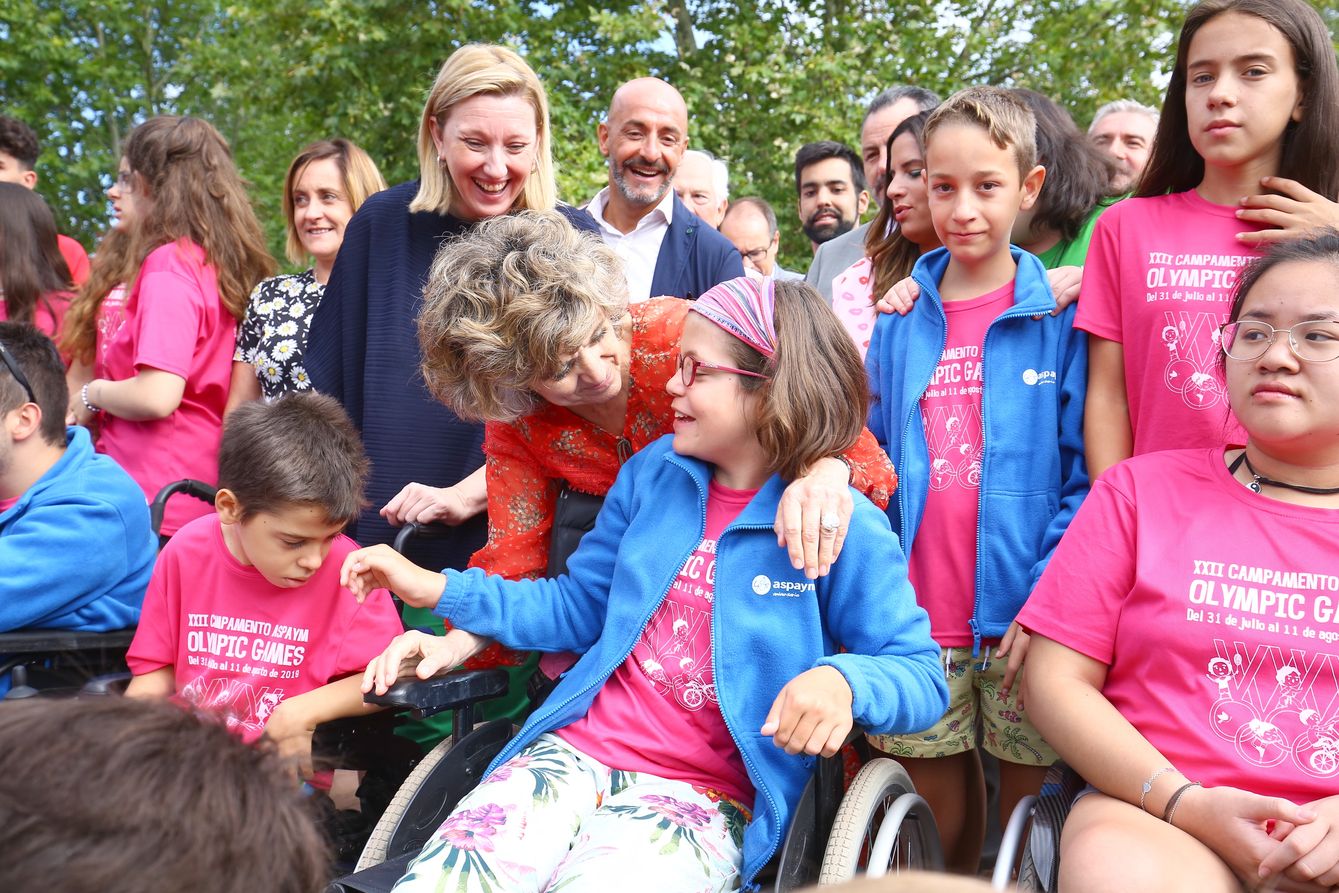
{"x": 829, "y": 522}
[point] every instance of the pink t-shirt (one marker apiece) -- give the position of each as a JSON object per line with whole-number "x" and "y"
{"x": 942, "y": 564}
{"x": 852, "y": 301}
{"x": 1159, "y": 280}
{"x": 238, "y": 644}
{"x": 111, "y": 317}
{"x": 658, "y": 712}
{"x": 76, "y": 258}
{"x": 49, "y": 314}
{"x": 1217, "y": 611}
{"x": 175, "y": 322}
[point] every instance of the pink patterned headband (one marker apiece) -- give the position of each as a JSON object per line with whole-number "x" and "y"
{"x": 744, "y": 307}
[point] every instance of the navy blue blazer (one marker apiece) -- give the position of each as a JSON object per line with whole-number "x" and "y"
{"x": 693, "y": 257}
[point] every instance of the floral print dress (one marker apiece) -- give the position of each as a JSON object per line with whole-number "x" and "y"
{"x": 273, "y": 336}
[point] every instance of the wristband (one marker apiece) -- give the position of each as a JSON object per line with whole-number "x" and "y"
{"x": 1176, "y": 798}
{"x": 83, "y": 395}
{"x": 1148, "y": 786}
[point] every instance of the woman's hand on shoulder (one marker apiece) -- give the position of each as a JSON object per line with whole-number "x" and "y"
{"x": 1307, "y": 853}
{"x": 418, "y": 654}
{"x": 1291, "y": 210}
{"x": 381, "y": 567}
{"x": 812, "y": 714}
{"x": 824, "y": 494}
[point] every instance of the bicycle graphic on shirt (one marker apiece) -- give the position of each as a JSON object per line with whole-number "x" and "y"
{"x": 1191, "y": 340}
{"x": 1286, "y": 723}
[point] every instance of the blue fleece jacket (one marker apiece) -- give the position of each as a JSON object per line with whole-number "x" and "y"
{"x": 76, "y": 550}
{"x": 768, "y": 625}
{"x": 1033, "y": 476}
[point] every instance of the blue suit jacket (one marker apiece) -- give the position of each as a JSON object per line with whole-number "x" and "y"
{"x": 693, "y": 257}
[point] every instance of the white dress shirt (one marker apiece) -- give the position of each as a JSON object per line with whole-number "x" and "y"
{"x": 640, "y": 248}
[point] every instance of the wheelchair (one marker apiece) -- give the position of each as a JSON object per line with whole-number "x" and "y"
{"x": 1030, "y": 847}
{"x": 880, "y": 826}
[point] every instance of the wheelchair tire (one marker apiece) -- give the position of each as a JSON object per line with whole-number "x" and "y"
{"x": 881, "y": 793}
{"x": 374, "y": 853}
{"x": 431, "y": 791}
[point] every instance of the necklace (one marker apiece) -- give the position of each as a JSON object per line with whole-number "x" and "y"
{"x": 1258, "y": 479}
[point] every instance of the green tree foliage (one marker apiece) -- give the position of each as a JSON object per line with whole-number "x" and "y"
{"x": 760, "y": 77}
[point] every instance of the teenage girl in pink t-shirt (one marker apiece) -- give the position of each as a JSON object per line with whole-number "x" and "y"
{"x": 1250, "y": 107}
{"x": 190, "y": 250}
{"x": 1185, "y": 650}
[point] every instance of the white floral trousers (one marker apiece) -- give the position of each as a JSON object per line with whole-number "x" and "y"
{"x": 554, "y": 819}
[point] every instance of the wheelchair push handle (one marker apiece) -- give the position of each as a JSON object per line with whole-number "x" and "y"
{"x": 199, "y": 489}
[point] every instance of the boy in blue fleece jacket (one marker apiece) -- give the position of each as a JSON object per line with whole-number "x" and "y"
{"x": 76, "y": 550}
{"x": 979, "y": 402}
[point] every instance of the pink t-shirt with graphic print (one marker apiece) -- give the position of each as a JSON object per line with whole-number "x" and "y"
{"x": 1217, "y": 612}
{"x": 1159, "y": 280}
{"x": 658, "y": 712}
{"x": 852, "y": 301}
{"x": 942, "y": 564}
{"x": 240, "y": 645}
{"x": 175, "y": 322}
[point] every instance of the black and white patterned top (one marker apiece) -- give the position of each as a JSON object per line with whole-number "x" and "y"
{"x": 273, "y": 336}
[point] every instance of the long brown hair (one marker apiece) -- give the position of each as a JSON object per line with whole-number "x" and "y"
{"x": 815, "y": 397}
{"x": 1310, "y": 146}
{"x": 185, "y": 168}
{"x": 890, "y": 252}
{"x": 31, "y": 266}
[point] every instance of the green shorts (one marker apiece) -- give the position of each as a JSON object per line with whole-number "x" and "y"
{"x": 975, "y": 703}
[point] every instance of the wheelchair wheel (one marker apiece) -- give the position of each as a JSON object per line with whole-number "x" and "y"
{"x": 882, "y": 826}
{"x": 431, "y": 791}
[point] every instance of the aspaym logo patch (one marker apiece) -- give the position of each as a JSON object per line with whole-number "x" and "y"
{"x": 764, "y": 585}
{"x": 1033, "y": 377}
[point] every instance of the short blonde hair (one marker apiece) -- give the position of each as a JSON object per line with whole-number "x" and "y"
{"x": 1001, "y": 114}
{"x": 507, "y": 304}
{"x": 477, "y": 70}
{"x": 357, "y": 172}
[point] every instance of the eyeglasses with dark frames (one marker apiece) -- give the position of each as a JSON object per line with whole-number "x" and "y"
{"x": 13, "y": 366}
{"x": 688, "y": 367}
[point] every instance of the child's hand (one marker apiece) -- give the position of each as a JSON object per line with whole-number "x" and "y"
{"x": 1291, "y": 209}
{"x": 812, "y": 713}
{"x": 900, "y": 297}
{"x": 381, "y": 567}
{"x": 1013, "y": 646}
{"x": 291, "y": 732}
{"x": 1065, "y": 283}
{"x": 415, "y": 653}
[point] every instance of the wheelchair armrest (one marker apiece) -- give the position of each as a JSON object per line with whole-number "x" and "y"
{"x": 426, "y": 697}
{"x": 40, "y": 641}
{"x": 107, "y": 684}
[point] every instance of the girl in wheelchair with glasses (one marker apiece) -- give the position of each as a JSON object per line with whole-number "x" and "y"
{"x": 712, "y": 672}
{"x": 1184, "y": 657}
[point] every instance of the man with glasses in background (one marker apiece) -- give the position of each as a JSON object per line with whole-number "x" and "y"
{"x": 750, "y": 225}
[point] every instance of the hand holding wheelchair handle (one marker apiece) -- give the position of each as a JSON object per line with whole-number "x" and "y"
{"x": 811, "y": 714}
{"x": 381, "y": 567}
{"x": 416, "y": 654}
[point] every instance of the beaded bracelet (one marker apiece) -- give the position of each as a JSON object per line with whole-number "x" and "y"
{"x": 83, "y": 395}
{"x": 1148, "y": 785}
{"x": 1175, "y": 799}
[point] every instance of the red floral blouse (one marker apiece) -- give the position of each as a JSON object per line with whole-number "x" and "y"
{"x": 529, "y": 459}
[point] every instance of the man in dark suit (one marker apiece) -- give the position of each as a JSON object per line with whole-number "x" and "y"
{"x": 666, "y": 248}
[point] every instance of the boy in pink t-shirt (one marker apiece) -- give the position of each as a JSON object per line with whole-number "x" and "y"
{"x": 244, "y": 614}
